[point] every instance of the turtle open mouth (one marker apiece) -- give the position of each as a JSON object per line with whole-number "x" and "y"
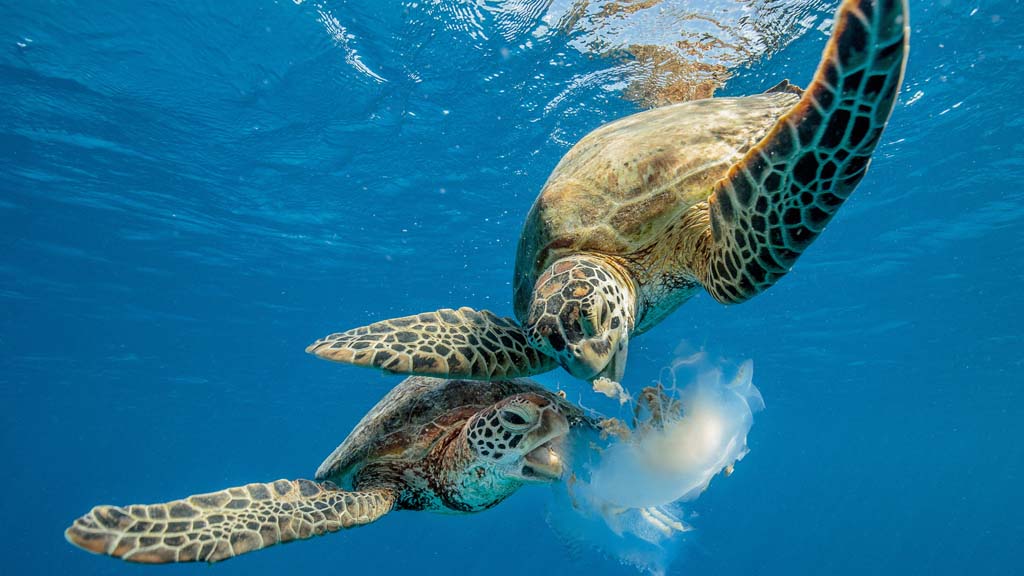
{"x": 542, "y": 464}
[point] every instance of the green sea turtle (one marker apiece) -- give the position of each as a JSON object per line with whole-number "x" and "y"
{"x": 429, "y": 444}
{"x": 724, "y": 193}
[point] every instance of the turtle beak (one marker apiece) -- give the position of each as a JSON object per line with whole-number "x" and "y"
{"x": 601, "y": 358}
{"x": 616, "y": 367}
{"x": 544, "y": 463}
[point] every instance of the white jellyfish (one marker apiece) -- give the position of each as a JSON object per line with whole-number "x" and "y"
{"x": 626, "y": 494}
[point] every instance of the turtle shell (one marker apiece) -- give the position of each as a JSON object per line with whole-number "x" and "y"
{"x": 618, "y": 189}
{"x": 414, "y": 415}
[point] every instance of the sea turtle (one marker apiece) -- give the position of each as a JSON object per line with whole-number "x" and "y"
{"x": 724, "y": 193}
{"x": 429, "y": 444}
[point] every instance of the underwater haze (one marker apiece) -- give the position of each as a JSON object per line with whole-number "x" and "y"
{"x": 192, "y": 192}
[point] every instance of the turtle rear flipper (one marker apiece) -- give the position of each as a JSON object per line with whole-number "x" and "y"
{"x": 774, "y": 202}
{"x": 461, "y": 343}
{"x": 221, "y": 525}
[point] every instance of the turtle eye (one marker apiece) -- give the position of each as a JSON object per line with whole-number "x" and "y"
{"x": 593, "y": 320}
{"x": 556, "y": 341}
{"x": 516, "y": 418}
{"x": 587, "y": 325}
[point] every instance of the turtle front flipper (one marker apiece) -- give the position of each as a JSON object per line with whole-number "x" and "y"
{"x": 221, "y": 525}
{"x": 461, "y": 343}
{"x": 773, "y": 203}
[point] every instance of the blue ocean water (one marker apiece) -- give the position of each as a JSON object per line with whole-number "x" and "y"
{"x": 190, "y": 193}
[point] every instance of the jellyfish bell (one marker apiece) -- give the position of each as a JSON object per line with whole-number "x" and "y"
{"x": 686, "y": 438}
{"x": 629, "y": 491}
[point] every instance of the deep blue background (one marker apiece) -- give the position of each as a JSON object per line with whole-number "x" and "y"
{"x": 190, "y": 193}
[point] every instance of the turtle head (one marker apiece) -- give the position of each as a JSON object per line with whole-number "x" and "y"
{"x": 518, "y": 438}
{"x": 581, "y": 315}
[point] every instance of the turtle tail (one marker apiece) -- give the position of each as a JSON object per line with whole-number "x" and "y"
{"x": 221, "y": 525}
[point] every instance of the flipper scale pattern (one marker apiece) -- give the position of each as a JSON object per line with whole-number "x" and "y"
{"x": 462, "y": 343}
{"x": 773, "y": 203}
{"x": 221, "y": 525}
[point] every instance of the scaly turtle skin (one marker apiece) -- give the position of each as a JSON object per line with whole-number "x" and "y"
{"x": 724, "y": 194}
{"x": 442, "y": 445}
